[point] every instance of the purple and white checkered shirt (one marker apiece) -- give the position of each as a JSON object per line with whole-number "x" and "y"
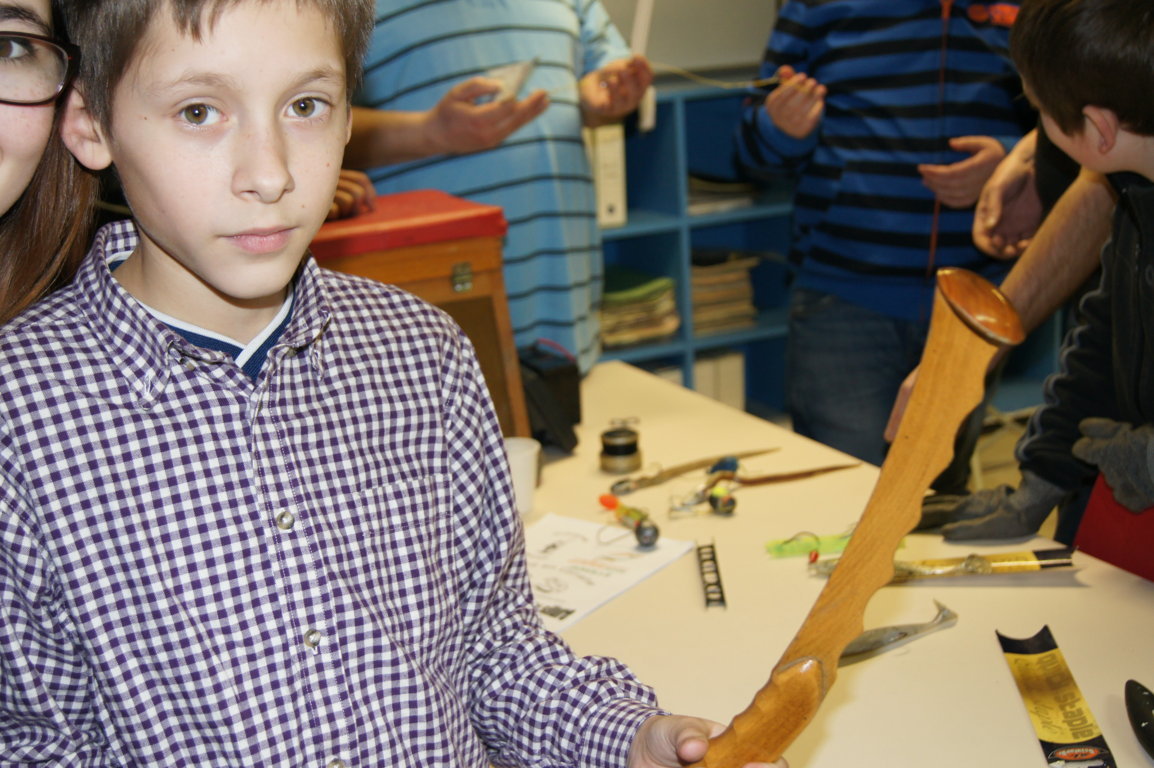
{"x": 322, "y": 567}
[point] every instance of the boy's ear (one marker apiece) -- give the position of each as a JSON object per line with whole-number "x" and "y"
{"x": 1105, "y": 126}
{"x": 83, "y": 135}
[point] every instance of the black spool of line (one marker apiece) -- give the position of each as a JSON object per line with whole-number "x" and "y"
{"x": 619, "y": 451}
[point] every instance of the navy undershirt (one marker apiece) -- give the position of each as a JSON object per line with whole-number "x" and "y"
{"x": 255, "y": 358}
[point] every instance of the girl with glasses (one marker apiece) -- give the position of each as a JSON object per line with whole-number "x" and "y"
{"x": 46, "y": 197}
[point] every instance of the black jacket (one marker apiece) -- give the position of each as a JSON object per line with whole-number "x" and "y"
{"x": 1106, "y": 367}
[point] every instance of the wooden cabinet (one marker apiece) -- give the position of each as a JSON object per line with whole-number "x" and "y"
{"x": 447, "y": 251}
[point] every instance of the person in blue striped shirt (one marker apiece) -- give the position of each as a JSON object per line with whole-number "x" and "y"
{"x": 429, "y": 119}
{"x": 892, "y": 116}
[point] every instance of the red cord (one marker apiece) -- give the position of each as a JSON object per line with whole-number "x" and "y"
{"x": 947, "y": 9}
{"x": 556, "y": 347}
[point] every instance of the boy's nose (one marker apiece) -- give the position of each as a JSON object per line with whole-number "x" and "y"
{"x": 262, "y": 168}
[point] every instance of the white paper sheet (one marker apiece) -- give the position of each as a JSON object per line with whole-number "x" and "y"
{"x": 576, "y": 565}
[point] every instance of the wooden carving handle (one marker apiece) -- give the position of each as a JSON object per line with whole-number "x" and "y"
{"x": 971, "y": 321}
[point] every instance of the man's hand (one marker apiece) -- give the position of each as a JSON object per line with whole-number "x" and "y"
{"x": 355, "y": 195}
{"x": 613, "y": 91}
{"x": 1122, "y": 454}
{"x": 672, "y": 741}
{"x": 898, "y": 410}
{"x": 797, "y": 103}
{"x": 959, "y": 184}
{"x": 1009, "y": 209}
{"x": 458, "y": 124}
{"x": 992, "y": 513}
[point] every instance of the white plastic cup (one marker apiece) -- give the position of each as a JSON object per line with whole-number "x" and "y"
{"x": 524, "y": 455}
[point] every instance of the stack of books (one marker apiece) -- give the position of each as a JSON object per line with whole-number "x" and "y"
{"x": 637, "y": 307}
{"x": 722, "y": 291}
{"x": 717, "y": 195}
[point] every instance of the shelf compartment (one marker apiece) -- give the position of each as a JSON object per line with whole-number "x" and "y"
{"x": 710, "y": 124}
{"x": 654, "y": 165}
{"x": 643, "y": 222}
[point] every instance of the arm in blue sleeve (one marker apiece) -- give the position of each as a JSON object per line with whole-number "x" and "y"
{"x": 761, "y": 146}
{"x": 601, "y": 43}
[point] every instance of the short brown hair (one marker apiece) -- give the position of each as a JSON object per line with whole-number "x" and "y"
{"x": 109, "y": 31}
{"x": 1078, "y": 53}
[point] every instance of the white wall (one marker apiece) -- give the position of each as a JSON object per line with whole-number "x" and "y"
{"x": 702, "y": 34}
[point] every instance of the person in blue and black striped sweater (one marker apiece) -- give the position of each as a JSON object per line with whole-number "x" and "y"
{"x": 892, "y": 115}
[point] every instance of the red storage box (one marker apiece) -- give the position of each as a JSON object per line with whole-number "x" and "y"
{"x": 406, "y": 219}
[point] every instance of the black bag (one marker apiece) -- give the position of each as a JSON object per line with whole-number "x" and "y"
{"x": 552, "y": 393}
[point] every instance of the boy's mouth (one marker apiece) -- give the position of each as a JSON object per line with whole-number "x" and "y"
{"x": 259, "y": 241}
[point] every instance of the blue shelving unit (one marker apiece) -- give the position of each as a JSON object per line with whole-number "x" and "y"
{"x": 693, "y": 135}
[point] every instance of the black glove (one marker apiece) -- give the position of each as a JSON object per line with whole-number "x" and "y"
{"x": 1122, "y": 454}
{"x": 993, "y": 513}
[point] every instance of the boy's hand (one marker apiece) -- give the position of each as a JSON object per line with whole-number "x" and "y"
{"x": 671, "y": 741}
{"x": 959, "y": 184}
{"x": 898, "y": 410}
{"x": 355, "y": 195}
{"x": 458, "y": 124}
{"x": 796, "y": 105}
{"x": 1122, "y": 454}
{"x": 615, "y": 90}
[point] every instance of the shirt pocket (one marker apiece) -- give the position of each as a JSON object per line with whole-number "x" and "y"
{"x": 402, "y": 540}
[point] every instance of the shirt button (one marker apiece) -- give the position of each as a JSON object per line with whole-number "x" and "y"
{"x": 336, "y": 764}
{"x": 285, "y": 521}
{"x": 313, "y": 638}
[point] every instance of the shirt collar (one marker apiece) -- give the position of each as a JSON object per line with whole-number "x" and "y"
{"x": 143, "y": 347}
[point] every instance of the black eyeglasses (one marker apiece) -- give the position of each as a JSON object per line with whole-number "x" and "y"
{"x": 34, "y": 69}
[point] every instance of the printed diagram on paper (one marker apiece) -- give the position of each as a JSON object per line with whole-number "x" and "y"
{"x": 576, "y": 565}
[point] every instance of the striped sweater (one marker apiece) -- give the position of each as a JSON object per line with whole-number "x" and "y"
{"x": 540, "y": 175}
{"x": 903, "y": 77}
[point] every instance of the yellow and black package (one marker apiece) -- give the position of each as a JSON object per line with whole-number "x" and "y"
{"x": 1066, "y": 729}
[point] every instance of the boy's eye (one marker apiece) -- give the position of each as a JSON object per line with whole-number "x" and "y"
{"x": 306, "y": 107}
{"x": 198, "y": 114}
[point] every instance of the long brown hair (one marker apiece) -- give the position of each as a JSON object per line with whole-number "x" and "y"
{"x": 44, "y": 235}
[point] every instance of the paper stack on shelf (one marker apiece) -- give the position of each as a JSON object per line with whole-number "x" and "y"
{"x": 722, "y": 291}
{"x": 637, "y": 307}
{"x": 714, "y": 196}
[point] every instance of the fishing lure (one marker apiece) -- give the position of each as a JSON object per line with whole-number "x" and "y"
{"x": 971, "y": 565}
{"x": 874, "y": 641}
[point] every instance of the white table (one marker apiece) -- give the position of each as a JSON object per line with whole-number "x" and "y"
{"x": 945, "y": 700}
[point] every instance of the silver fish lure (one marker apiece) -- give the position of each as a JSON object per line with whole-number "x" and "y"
{"x": 874, "y": 641}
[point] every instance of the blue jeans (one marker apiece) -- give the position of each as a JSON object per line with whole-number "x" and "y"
{"x": 844, "y": 366}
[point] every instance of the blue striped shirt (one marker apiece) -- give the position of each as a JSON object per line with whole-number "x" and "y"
{"x": 540, "y": 175}
{"x": 863, "y": 218}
